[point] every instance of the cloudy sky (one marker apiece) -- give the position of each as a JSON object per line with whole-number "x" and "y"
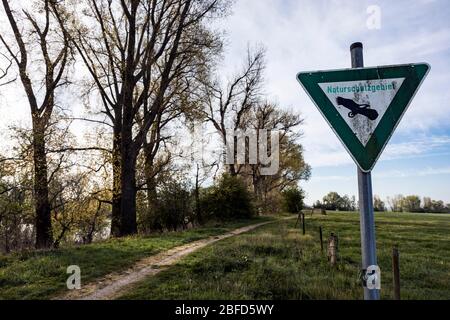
{"x": 306, "y": 35}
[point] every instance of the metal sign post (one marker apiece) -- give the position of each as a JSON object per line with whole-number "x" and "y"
{"x": 363, "y": 106}
{"x": 367, "y": 222}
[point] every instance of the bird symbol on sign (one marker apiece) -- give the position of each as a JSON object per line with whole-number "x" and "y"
{"x": 356, "y": 108}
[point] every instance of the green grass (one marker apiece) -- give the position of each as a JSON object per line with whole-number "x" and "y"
{"x": 42, "y": 275}
{"x": 277, "y": 262}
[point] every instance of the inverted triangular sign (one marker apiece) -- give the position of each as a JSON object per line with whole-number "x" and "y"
{"x": 364, "y": 106}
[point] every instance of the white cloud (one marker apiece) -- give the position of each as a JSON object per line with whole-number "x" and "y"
{"x": 316, "y": 35}
{"x": 336, "y": 155}
{"x": 391, "y": 174}
{"x": 427, "y": 171}
{"x": 333, "y": 178}
{"x": 416, "y": 147}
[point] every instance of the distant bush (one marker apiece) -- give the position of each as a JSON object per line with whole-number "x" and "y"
{"x": 271, "y": 203}
{"x": 171, "y": 211}
{"x": 378, "y": 204}
{"x": 435, "y": 206}
{"x": 318, "y": 205}
{"x": 412, "y": 204}
{"x": 228, "y": 199}
{"x": 293, "y": 200}
{"x": 333, "y": 201}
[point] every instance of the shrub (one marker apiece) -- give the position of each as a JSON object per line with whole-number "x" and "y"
{"x": 293, "y": 200}
{"x": 228, "y": 199}
{"x": 172, "y": 209}
{"x": 318, "y": 205}
{"x": 378, "y": 204}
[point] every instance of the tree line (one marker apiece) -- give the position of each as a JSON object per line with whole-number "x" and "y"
{"x": 414, "y": 203}
{"x": 399, "y": 203}
{"x": 146, "y": 72}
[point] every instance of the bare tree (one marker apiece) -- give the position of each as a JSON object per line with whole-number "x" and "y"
{"x": 131, "y": 49}
{"x": 42, "y": 28}
{"x": 199, "y": 48}
{"x": 293, "y": 168}
{"x": 5, "y": 70}
{"x": 228, "y": 108}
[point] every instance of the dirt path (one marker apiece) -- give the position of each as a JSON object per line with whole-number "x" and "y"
{"x": 114, "y": 284}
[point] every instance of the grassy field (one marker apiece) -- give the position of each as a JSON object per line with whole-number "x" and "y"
{"x": 277, "y": 262}
{"x": 42, "y": 275}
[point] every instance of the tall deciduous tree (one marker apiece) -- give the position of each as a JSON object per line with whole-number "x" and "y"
{"x": 132, "y": 49}
{"x": 41, "y": 43}
{"x": 411, "y": 204}
{"x": 292, "y": 166}
{"x": 227, "y": 107}
{"x": 199, "y": 49}
{"x": 396, "y": 203}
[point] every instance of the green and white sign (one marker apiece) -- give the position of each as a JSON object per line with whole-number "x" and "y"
{"x": 364, "y": 106}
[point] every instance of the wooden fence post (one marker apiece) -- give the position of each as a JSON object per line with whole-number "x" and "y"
{"x": 298, "y": 219}
{"x": 333, "y": 249}
{"x": 303, "y": 222}
{"x": 321, "y": 239}
{"x": 396, "y": 272}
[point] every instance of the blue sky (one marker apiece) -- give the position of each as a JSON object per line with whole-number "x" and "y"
{"x": 307, "y": 35}
{"x": 316, "y": 35}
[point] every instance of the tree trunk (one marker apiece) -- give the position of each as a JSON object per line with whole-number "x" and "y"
{"x": 152, "y": 198}
{"x": 128, "y": 183}
{"x": 128, "y": 207}
{"x": 198, "y": 209}
{"x": 151, "y": 192}
{"x": 232, "y": 170}
{"x": 127, "y": 145}
{"x": 150, "y": 180}
{"x": 257, "y": 190}
{"x": 57, "y": 242}
{"x": 117, "y": 194}
{"x": 44, "y": 235}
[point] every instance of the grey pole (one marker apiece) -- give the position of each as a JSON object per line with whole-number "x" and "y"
{"x": 367, "y": 222}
